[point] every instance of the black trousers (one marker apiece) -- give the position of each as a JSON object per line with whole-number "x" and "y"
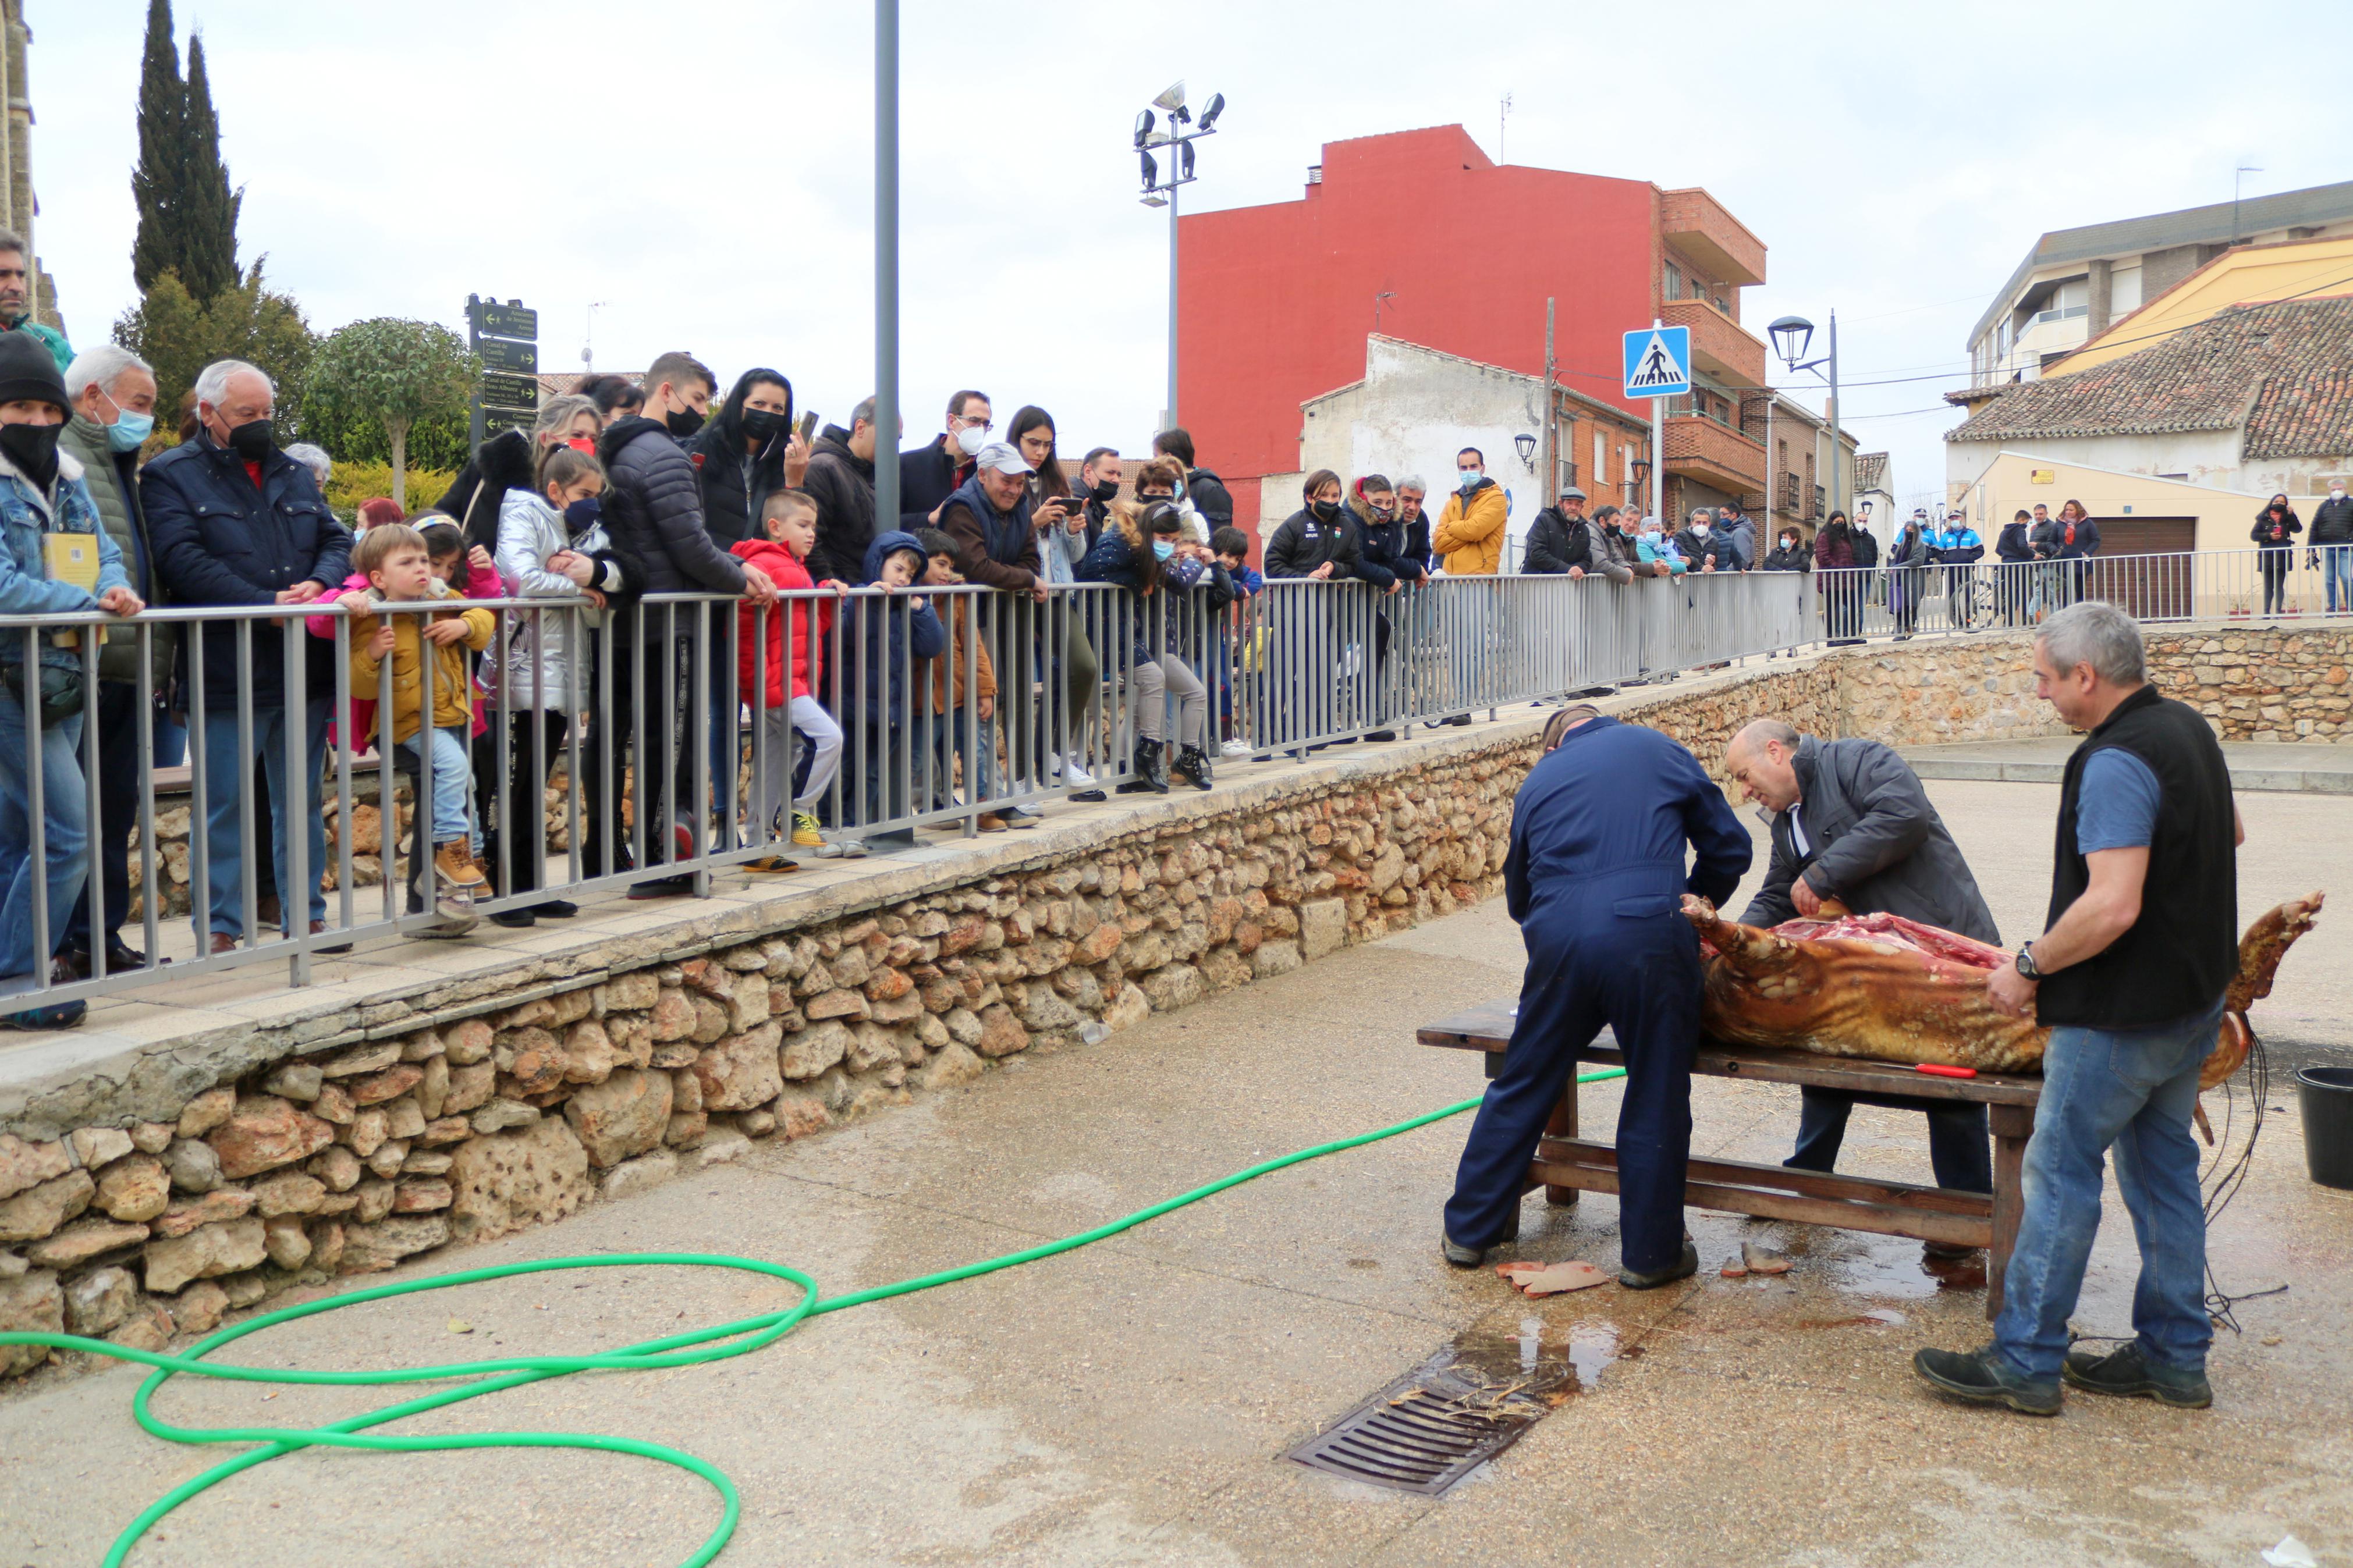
{"x": 117, "y": 718}
{"x": 1958, "y": 1148}
{"x": 513, "y": 858}
{"x": 661, "y": 740}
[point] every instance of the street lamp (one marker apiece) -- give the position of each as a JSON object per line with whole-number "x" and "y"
{"x": 1162, "y": 192}
{"x": 1527, "y": 449}
{"x": 1792, "y": 335}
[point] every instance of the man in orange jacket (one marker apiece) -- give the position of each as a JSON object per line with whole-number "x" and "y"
{"x": 1469, "y": 536}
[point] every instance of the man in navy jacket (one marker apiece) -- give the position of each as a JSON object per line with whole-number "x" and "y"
{"x": 1595, "y": 877}
{"x": 235, "y": 520}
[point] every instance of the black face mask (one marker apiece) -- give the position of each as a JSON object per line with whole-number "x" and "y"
{"x": 682, "y": 421}
{"x": 1105, "y": 491}
{"x": 253, "y": 440}
{"x": 1148, "y": 500}
{"x": 34, "y": 450}
{"x": 762, "y": 424}
{"x": 1325, "y": 510}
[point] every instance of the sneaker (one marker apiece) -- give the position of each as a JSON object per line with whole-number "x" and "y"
{"x": 556, "y": 909}
{"x": 2130, "y": 1374}
{"x": 1984, "y": 1376}
{"x": 1234, "y": 749}
{"x": 1457, "y": 1254}
{"x": 1020, "y": 817}
{"x": 56, "y": 1016}
{"x": 514, "y": 919}
{"x": 853, "y": 849}
{"x": 805, "y": 832}
{"x": 1073, "y": 773}
{"x": 454, "y": 864}
{"x": 773, "y": 864}
{"x": 661, "y": 888}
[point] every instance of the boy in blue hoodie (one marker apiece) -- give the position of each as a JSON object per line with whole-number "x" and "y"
{"x": 891, "y": 635}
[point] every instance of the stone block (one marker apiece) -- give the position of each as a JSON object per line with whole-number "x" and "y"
{"x": 1172, "y": 986}
{"x": 1274, "y": 958}
{"x": 622, "y": 1117}
{"x": 953, "y": 1065}
{"x": 288, "y": 1192}
{"x": 1129, "y": 1008}
{"x": 40, "y": 1211}
{"x": 1001, "y": 1033}
{"x": 798, "y": 1115}
{"x": 135, "y": 1190}
{"x": 371, "y": 1248}
{"x": 264, "y": 1131}
{"x": 206, "y": 1253}
{"x": 813, "y": 1050}
{"x": 742, "y": 1071}
{"x": 871, "y": 1046}
{"x": 515, "y": 1180}
{"x": 192, "y": 1165}
{"x": 96, "y": 1146}
{"x": 24, "y": 1165}
{"x": 98, "y": 1301}
{"x": 83, "y": 1240}
{"x": 471, "y": 1088}
{"x": 31, "y": 1303}
{"x": 641, "y": 1175}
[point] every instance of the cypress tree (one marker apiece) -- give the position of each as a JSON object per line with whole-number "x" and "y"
{"x": 208, "y": 212}
{"x": 156, "y": 179}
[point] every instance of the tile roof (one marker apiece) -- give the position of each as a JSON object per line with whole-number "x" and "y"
{"x": 2283, "y": 371}
{"x": 1870, "y": 471}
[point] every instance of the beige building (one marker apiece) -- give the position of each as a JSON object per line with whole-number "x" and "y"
{"x": 17, "y": 206}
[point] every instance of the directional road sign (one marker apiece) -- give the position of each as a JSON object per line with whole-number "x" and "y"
{"x": 505, "y": 353}
{"x": 1658, "y": 361}
{"x": 498, "y": 321}
{"x": 511, "y": 391}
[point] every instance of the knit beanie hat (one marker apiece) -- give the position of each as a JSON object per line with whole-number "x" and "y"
{"x": 27, "y": 370}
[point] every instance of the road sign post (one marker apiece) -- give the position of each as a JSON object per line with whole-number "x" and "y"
{"x": 1658, "y": 366}
{"x": 505, "y": 337}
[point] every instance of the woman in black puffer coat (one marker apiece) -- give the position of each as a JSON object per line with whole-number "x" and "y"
{"x": 2274, "y": 533}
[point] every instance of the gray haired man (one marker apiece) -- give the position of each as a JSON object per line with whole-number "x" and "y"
{"x": 112, "y": 393}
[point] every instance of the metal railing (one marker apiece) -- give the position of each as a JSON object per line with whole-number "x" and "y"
{"x": 594, "y": 749}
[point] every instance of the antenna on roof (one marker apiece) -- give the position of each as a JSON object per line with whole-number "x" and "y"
{"x": 2238, "y": 179}
{"x": 1503, "y": 121}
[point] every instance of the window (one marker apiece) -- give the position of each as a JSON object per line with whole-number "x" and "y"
{"x": 2124, "y": 291}
{"x": 1600, "y": 455}
{"x": 1673, "y": 286}
{"x": 1812, "y": 488}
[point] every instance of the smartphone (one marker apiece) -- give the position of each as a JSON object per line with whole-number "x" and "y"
{"x": 808, "y": 425}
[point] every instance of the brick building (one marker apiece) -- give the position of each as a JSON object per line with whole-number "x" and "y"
{"x": 1458, "y": 254}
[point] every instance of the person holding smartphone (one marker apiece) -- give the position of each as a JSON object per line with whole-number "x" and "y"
{"x": 1064, "y": 535}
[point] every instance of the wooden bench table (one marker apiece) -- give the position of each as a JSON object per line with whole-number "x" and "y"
{"x": 1565, "y": 1164}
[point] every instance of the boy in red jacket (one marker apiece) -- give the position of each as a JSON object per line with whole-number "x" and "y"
{"x": 779, "y": 686}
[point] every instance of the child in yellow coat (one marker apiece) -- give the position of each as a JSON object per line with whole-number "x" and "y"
{"x": 393, "y": 559}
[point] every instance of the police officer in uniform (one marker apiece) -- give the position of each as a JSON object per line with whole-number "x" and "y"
{"x": 1596, "y": 880}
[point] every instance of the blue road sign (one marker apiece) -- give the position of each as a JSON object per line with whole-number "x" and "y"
{"x": 1658, "y": 361}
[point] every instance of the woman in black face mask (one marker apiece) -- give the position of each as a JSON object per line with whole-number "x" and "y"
{"x": 747, "y": 450}
{"x": 1307, "y": 626}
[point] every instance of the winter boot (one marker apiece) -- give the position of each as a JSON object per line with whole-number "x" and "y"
{"x": 1192, "y": 765}
{"x": 1151, "y": 774}
{"x": 454, "y": 863}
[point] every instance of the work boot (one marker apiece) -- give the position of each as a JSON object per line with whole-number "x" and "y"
{"x": 454, "y": 863}
{"x": 2130, "y": 1374}
{"x": 1459, "y": 1255}
{"x": 1192, "y": 765}
{"x": 1683, "y": 1268}
{"x": 1984, "y": 1376}
{"x": 1150, "y": 778}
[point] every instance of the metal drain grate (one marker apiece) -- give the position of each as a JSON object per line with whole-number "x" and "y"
{"x": 1437, "y": 1423}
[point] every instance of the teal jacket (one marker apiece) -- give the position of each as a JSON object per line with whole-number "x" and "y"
{"x": 59, "y": 350}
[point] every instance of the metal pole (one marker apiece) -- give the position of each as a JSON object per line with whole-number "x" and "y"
{"x": 886, "y": 262}
{"x": 1176, "y": 155}
{"x": 1772, "y": 472}
{"x": 1836, "y": 504}
{"x": 1546, "y": 491}
{"x": 1658, "y": 452}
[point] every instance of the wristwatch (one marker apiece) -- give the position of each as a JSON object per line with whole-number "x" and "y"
{"x": 2026, "y": 961}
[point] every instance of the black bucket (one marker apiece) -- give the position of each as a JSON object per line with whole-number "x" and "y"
{"x": 2326, "y": 1097}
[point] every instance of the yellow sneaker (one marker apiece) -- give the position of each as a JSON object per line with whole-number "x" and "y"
{"x": 804, "y": 833}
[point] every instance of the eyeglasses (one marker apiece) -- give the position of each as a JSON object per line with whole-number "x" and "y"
{"x": 965, "y": 422}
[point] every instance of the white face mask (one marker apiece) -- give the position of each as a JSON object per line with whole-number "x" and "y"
{"x": 1699, "y": 531}
{"x": 971, "y": 439}
{"x": 2336, "y": 492}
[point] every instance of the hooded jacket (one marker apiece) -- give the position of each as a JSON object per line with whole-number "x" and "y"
{"x": 1740, "y": 533}
{"x": 27, "y": 513}
{"x": 653, "y": 515}
{"x": 113, "y": 480}
{"x": 1556, "y": 542}
{"x": 888, "y": 635}
{"x": 1306, "y": 541}
{"x": 2289, "y": 525}
{"x": 1210, "y": 499}
{"x": 2012, "y": 543}
{"x": 1796, "y": 558}
{"x": 1875, "y": 844}
{"x": 1615, "y": 553}
{"x": 842, "y": 485}
{"x": 49, "y": 337}
{"x": 1122, "y": 556}
{"x": 453, "y": 695}
{"x": 761, "y": 679}
{"x": 539, "y": 660}
{"x": 1469, "y": 531}
{"x": 500, "y": 464}
{"x": 2332, "y": 521}
{"x": 735, "y": 481}
{"x": 222, "y": 540}
{"x": 996, "y": 549}
{"x": 1381, "y": 559}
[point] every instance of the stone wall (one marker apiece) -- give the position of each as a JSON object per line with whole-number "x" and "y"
{"x": 316, "y": 1166}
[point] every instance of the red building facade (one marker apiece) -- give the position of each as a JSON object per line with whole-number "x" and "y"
{"x": 1458, "y": 254}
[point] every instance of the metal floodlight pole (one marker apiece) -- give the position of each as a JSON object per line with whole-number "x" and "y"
{"x": 1835, "y": 445}
{"x": 886, "y": 262}
{"x": 1176, "y": 157}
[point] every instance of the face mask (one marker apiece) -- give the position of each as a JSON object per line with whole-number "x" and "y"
{"x": 252, "y": 440}
{"x": 1103, "y": 490}
{"x": 584, "y": 514}
{"x": 1162, "y": 548}
{"x": 1156, "y": 495}
{"x": 586, "y": 445}
{"x": 971, "y": 439}
{"x": 34, "y": 450}
{"x": 129, "y": 432}
{"x": 1651, "y": 536}
{"x": 1384, "y": 513}
{"x": 1469, "y": 478}
{"x": 2335, "y": 495}
{"x": 1699, "y": 531}
{"x": 1788, "y": 544}
{"x": 682, "y": 421}
{"x": 1325, "y": 510}
{"x": 763, "y": 425}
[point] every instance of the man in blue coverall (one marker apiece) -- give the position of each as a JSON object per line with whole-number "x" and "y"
{"x": 1596, "y": 880}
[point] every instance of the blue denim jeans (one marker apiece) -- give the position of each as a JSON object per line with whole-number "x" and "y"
{"x": 452, "y": 783}
{"x": 2337, "y": 573}
{"x": 225, "y": 772}
{"x": 65, "y": 818}
{"x": 2132, "y": 1090}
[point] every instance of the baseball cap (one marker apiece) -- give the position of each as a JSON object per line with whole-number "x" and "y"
{"x": 1004, "y": 457}
{"x": 1570, "y": 492}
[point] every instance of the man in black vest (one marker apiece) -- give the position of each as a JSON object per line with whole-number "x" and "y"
{"x": 1851, "y": 822}
{"x": 2141, "y": 941}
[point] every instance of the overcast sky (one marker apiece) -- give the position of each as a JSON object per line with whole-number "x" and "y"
{"x": 704, "y": 169}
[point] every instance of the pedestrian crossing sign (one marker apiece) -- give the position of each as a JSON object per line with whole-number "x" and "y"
{"x": 1658, "y": 361}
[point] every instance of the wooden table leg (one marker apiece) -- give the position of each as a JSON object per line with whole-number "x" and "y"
{"x": 1563, "y": 1125}
{"x": 2012, "y": 1126}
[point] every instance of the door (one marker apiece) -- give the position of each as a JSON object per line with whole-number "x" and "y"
{"x": 2144, "y": 565}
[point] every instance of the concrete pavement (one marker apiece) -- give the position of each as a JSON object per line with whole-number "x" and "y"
{"x": 1130, "y": 1404}
{"x": 2268, "y": 767}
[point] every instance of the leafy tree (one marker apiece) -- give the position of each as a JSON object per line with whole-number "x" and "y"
{"x": 394, "y": 373}
{"x": 188, "y": 214}
{"x": 172, "y": 330}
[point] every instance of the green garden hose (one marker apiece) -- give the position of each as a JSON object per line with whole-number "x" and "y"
{"x": 694, "y": 1347}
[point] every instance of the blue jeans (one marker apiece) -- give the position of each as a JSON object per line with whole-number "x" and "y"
{"x": 2134, "y": 1089}
{"x": 452, "y": 783}
{"x": 2337, "y": 573}
{"x": 65, "y": 821}
{"x": 224, "y": 774}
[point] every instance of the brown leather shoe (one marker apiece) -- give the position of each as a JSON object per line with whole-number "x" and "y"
{"x": 989, "y": 822}
{"x": 317, "y": 927}
{"x": 221, "y": 942}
